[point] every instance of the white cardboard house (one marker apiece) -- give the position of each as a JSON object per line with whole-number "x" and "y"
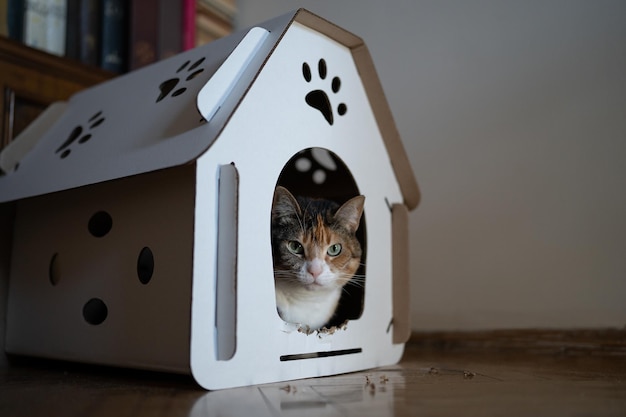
{"x": 142, "y": 208}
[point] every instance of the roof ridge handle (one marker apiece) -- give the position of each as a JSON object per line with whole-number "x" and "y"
{"x": 219, "y": 86}
{"x": 14, "y": 152}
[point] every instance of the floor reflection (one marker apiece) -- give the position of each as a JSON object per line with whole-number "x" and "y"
{"x": 361, "y": 394}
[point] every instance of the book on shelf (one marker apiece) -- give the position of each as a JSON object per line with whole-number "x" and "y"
{"x": 117, "y": 35}
{"x": 224, "y": 9}
{"x": 89, "y": 32}
{"x": 143, "y": 33}
{"x": 189, "y": 24}
{"x": 83, "y": 31}
{"x": 72, "y": 29}
{"x": 211, "y": 22}
{"x": 4, "y": 19}
{"x": 170, "y": 30}
{"x": 15, "y": 19}
{"x": 44, "y": 25}
{"x": 114, "y": 32}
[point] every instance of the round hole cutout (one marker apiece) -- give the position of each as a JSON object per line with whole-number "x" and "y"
{"x": 54, "y": 270}
{"x": 100, "y": 224}
{"x": 145, "y": 265}
{"x": 95, "y": 311}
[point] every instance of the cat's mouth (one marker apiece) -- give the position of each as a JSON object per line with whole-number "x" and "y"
{"x": 316, "y": 286}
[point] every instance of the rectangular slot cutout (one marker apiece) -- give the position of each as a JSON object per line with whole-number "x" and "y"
{"x": 325, "y": 354}
{"x": 400, "y": 270}
{"x": 226, "y": 285}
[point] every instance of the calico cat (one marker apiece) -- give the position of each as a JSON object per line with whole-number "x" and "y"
{"x": 315, "y": 253}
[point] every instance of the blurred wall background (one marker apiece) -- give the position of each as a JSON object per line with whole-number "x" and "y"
{"x": 513, "y": 114}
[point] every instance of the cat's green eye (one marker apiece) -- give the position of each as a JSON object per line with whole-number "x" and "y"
{"x": 295, "y": 247}
{"x": 334, "y": 250}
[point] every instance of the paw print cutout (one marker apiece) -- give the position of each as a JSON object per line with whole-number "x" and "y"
{"x": 79, "y": 135}
{"x": 189, "y": 72}
{"x": 318, "y": 99}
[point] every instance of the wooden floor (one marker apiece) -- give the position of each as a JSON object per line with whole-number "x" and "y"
{"x": 427, "y": 382}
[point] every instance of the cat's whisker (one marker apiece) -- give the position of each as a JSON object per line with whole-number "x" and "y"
{"x": 356, "y": 284}
{"x": 286, "y": 276}
{"x": 346, "y": 288}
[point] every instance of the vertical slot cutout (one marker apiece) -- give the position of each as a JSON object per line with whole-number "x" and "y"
{"x": 400, "y": 271}
{"x": 226, "y": 286}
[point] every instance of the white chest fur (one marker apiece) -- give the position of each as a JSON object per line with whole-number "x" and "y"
{"x": 307, "y": 307}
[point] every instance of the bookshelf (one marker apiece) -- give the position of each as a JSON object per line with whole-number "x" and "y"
{"x": 32, "y": 78}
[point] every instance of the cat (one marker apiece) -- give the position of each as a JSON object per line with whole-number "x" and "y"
{"x": 315, "y": 253}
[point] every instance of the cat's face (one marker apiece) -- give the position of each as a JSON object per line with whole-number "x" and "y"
{"x": 313, "y": 241}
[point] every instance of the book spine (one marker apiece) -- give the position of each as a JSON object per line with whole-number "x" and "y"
{"x": 144, "y": 21}
{"x": 72, "y": 26}
{"x": 35, "y": 23}
{"x": 189, "y": 24}
{"x": 89, "y": 32}
{"x": 44, "y": 25}
{"x": 4, "y": 18}
{"x": 210, "y": 26}
{"x": 170, "y": 28}
{"x": 224, "y": 9}
{"x": 15, "y": 19}
{"x": 114, "y": 26}
{"x": 55, "y": 27}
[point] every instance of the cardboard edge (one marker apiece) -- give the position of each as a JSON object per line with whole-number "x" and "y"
{"x": 212, "y": 95}
{"x": 328, "y": 28}
{"x": 19, "y": 148}
{"x": 382, "y": 112}
{"x": 400, "y": 273}
{"x": 278, "y": 24}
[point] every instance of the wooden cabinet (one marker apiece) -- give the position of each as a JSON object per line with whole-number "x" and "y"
{"x": 30, "y": 80}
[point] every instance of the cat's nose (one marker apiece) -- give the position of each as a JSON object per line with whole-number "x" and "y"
{"x": 314, "y": 268}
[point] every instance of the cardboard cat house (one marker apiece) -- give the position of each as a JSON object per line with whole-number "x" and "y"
{"x": 142, "y": 208}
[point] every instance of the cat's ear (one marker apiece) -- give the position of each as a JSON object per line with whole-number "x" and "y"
{"x": 284, "y": 204}
{"x": 349, "y": 214}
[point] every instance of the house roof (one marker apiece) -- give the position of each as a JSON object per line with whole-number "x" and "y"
{"x": 94, "y": 137}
